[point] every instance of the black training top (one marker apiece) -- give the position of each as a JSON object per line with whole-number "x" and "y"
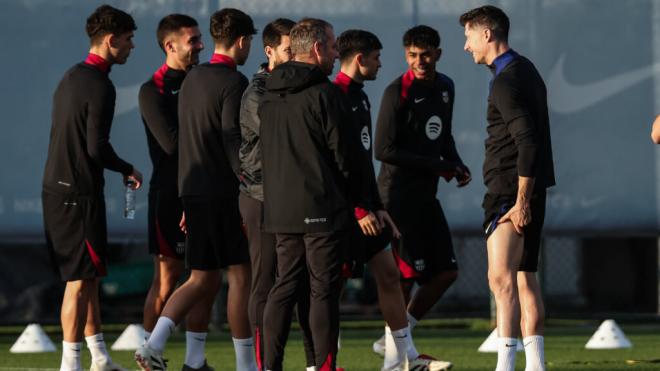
{"x": 79, "y": 149}
{"x": 518, "y": 142}
{"x": 413, "y": 137}
{"x": 159, "y": 97}
{"x": 209, "y": 132}
{"x": 309, "y": 173}
{"x": 358, "y": 103}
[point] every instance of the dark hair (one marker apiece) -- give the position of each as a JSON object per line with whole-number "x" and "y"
{"x": 490, "y": 17}
{"x": 108, "y": 20}
{"x": 306, "y": 32}
{"x": 228, "y": 24}
{"x": 273, "y": 32}
{"x": 422, "y": 36}
{"x": 172, "y": 23}
{"x": 352, "y": 42}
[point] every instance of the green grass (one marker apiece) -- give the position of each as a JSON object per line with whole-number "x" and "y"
{"x": 455, "y": 340}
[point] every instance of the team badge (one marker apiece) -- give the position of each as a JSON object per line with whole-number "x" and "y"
{"x": 445, "y": 96}
{"x": 433, "y": 127}
{"x": 420, "y": 265}
{"x": 365, "y": 138}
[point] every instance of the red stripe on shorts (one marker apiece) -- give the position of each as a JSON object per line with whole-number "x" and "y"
{"x": 98, "y": 264}
{"x": 406, "y": 270}
{"x": 163, "y": 247}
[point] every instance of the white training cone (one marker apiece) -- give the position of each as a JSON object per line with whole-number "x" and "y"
{"x": 131, "y": 339}
{"x": 490, "y": 344}
{"x": 33, "y": 340}
{"x": 608, "y": 336}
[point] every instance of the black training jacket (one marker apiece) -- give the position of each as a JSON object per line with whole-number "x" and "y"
{"x": 310, "y": 180}
{"x": 158, "y": 99}
{"x": 413, "y": 137}
{"x": 360, "y": 110}
{"x": 250, "y": 151}
{"x": 209, "y": 132}
{"x": 79, "y": 149}
{"x": 518, "y": 142}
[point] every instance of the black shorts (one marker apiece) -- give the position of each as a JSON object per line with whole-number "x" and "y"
{"x": 76, "y": 235}
{"x": 425, "y": 248}
{"x": 495, "y": 206}
{"x": 165, "y": 235}
{"x": 360, "y": 249}
{"x": 215, "y": 237}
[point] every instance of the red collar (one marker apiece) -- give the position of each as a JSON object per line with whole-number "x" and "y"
{"x": 406, "y": 80}
{"x": 98, "y": 62}
{"x": 343, "y": 81}
{"x": 159, "y": 77}
{"x": 223, "y": 59}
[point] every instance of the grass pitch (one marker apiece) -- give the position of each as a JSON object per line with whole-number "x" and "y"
{"x": 454, "y": 340}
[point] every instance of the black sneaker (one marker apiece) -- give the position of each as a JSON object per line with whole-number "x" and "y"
{"x": 204, "y": 367}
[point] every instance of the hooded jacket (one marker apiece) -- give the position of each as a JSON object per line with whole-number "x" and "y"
{"x": 310, "y": 177}
{"x": 251, "y": 182}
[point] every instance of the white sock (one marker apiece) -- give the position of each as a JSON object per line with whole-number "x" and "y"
{"x": 162, "y": 331}
{"x": 70, "y": 356}
{"x": 391, "y": 355}
{"x": 311, "y": 368}
{"x": 245, "y": 359}
{"x": 412, "y": 321}
{"x": 412, "y": 351}
{"x": 96, "y": 346}
{"x": 195, "y": 343}
{"x": 146, "y": 336}
{"x": 397, "y": 343}
{"x": 534, "y": 356}
{"x": 506, "y": 354}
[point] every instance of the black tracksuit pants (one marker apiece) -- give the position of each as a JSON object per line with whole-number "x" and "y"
{"x": 263, "y": 259}
{"x": 320, "y": 254}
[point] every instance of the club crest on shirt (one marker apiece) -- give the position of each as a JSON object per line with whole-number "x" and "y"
{"x": 365, "y": 138}
{"x": 433, "y": 127}
{"x": 420, "y": 265}
{"x": 445, "y": 96}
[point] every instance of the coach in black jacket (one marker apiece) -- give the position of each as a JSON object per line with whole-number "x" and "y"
{"x": 306, "y": 150}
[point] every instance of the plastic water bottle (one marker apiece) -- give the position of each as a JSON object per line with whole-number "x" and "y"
{"x": 129, "y": 201}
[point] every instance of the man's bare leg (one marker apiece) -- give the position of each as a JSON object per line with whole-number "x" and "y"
{"x": 197, "y": 324}
{"x": 93, "y": 334}
{"x": 166, "y": 274}
{"x": 428, "y": 294}
{"x": 423, "y": 299}
{"x": 393, "y": 307}
{"x": 532, "y": 320}
{"x": 238, "y": 277}
{"x": 201, "y": 284}
{"x": 390, "y": 297}
{"x": 93, "y": 322}
{"x": 74, "y": 309}
{"x": 505, "y": 248}
{"x": 73, "y": 317}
